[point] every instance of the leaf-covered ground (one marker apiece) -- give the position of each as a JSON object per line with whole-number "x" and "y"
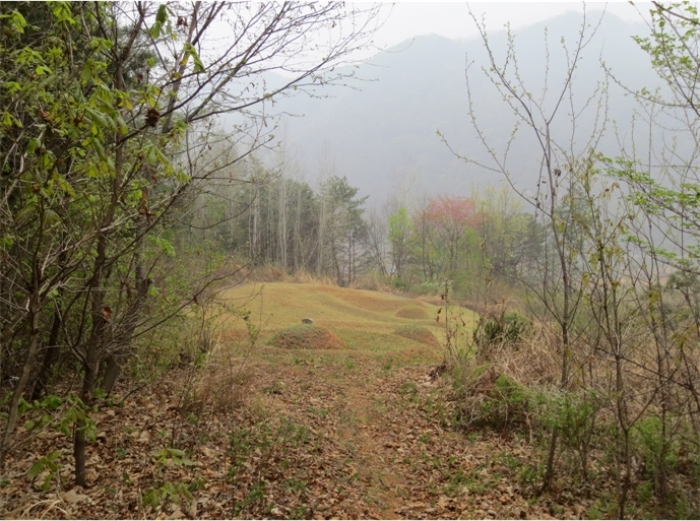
{"x": 362, "y": 432}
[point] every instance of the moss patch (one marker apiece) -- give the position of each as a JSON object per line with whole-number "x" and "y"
{"x": 307, "y": 336}
{"x": 417, "y": 333}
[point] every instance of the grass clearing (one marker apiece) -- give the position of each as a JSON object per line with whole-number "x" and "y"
{"x": 366, "y": 321}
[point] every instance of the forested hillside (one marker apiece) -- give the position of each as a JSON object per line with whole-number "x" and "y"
{"x": 381, "y": 134}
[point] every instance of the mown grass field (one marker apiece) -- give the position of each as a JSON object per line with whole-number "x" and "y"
{"x": 368, "y": 322}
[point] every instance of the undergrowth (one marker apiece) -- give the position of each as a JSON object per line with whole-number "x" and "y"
{"x": 504, "y": 382}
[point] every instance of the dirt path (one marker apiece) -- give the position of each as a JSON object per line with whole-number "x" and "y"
{"x": 289, "y": 436}
{"x": 385, "y": 437}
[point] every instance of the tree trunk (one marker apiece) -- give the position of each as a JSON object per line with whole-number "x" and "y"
{"x": 79, "y": 440}
{"x": 122, "y": 349}
{"x": 33, "y": 319}
{"x": 282, "y": 222}
{"x": 50, "y": 357}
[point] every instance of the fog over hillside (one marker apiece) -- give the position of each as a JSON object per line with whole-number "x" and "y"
{"x": 383, "y": 134}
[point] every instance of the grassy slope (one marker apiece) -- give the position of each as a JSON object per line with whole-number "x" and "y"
{"x": 365, "y": 320}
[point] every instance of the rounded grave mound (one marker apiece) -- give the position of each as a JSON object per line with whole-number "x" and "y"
{"x": 419, "y": 334}
{"x": 307, "y": 336}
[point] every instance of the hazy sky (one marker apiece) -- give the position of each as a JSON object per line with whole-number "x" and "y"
{"x": 451, "y": 19}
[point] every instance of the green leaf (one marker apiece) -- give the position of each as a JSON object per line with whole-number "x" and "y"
{"x": 154, "y": 31}
{"x": 164, "y": 245}
{"x": 152, "y": 155}
{"x": 24, "y": 406}
{"x": 12, "y": 87}
{"x": 62, "y": 12}
{"x": 16, "y": 21}
{"x": 25, "y": 215}
{"x": 8, "y": 120}
{"x": 161, "y": 18}
{"x": 37, "y": 468}
{"x": 162, "y": 14}
{"x": 43, "y": 70}
{"x": 7, "y": 241}
{"x": 51, "y": 217}
{"x": 33, "y": 145}
{"x": 189, "y": 50}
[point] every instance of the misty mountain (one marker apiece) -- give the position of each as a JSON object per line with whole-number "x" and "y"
{"x": 382, "y": 135}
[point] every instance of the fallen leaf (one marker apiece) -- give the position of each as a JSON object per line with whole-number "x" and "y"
{"x": 73, "y": 496}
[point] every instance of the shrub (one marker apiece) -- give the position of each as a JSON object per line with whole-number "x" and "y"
{"x": 399, "y": 284}
{"x": 575, "y": 415}
{"x": 506, "y": 329}
{"x": 494, "y": 401}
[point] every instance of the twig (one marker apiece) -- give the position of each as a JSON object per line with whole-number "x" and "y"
{"x": 135, "y": 389}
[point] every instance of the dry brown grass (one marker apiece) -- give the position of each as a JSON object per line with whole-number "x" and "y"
{"x": 536, "y": 363}
{"x": 304, "y": 277}
{"x": 533, "y": 362}
{"x": 224, "y": 384}
{"x": 49, "y": 508}
{"x": 490, "y": 382}
{"x": 372, "y": 282}
{"x": 238, "y": 274}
